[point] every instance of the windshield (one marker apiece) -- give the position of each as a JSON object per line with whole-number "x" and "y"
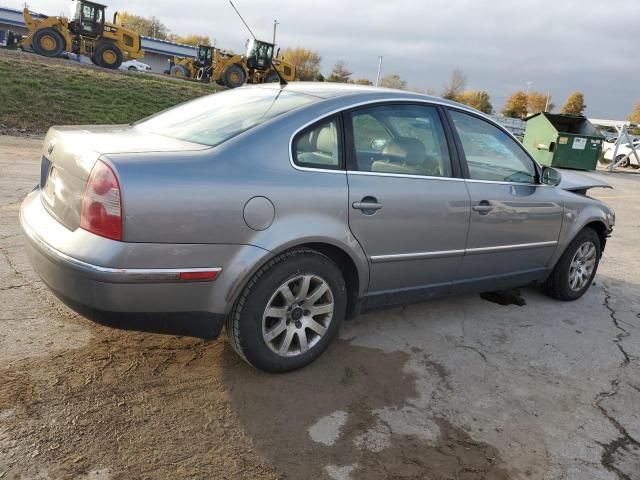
{"x": 216, "y": 118}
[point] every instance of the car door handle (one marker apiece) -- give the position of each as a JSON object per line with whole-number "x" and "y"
{"x": 368, "y": 205}
{"x": 483, "y": 207}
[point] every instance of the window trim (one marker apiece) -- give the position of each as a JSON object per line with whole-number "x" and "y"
{"x": 335, "y": 117}
{"x": 350, "y": 149}
{"x": 463, "y": 156}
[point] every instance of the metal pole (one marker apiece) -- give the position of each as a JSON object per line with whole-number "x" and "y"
{"x": 275, "y": 25}
{"x": 379, "y": 66}
{"x": 546, "y": 104}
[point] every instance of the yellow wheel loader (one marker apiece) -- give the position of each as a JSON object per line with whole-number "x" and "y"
{"x": 86, "y": 33}
{"x": 212, "y": 64}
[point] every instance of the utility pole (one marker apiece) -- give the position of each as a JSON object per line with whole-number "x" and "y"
{"x": 379, "y": 65}
{"x": 275, "y": 25}
{"x": 546, "y": 105}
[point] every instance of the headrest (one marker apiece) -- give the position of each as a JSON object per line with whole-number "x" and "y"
{"x": 410, "y": 150}
{"x": 326, "y": 142}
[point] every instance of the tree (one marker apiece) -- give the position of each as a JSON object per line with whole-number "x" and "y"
{"x": 478, "y": 99}
{"x": 635, "y": 115}
{"x": 339, "y": 74}
{"x": 538, "y": 102}
{"x": 191, "y": 39}
{"x": 393, "y": 81}
{"x": 362, "y": 81}
{"x": 456, "y": 85}
{"x": 516, "y": 106}
{"x": 149, "y": 27}
{"x": 574, "y": 104}
{"x": 307, "y": 62}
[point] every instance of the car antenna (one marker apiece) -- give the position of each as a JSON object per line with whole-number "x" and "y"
{"x": 283, "y": 82}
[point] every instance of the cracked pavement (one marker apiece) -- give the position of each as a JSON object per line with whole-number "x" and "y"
{"x": 455, "y": 388}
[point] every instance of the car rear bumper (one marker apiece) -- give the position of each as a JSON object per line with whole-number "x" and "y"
{"x": 97, "y": 276}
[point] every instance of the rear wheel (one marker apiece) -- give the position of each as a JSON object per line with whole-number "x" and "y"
{"x": 48, "y": 42}
{"x": 179, "y": 71}
{"x": 574, "y": 272}
{"x": 622, "y": 161}
{"x": 289, "y": 312}
{"x": 108, "y": 55}
{"x": 132, "y": 69}
{"x": 233, "y": 76}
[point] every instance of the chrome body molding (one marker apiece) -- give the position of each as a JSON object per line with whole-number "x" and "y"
{"x": 450, "y": 253}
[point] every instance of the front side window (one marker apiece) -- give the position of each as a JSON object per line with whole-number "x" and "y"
{"x": 216, "y": 118}
{"x": 318, "y": 147}
{"x": 491, "y": 154}
{"x": 400, "y": 139}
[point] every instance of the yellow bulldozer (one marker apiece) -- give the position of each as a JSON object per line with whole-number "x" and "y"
{"x": 86, "y": 33}
{"x": 211, "y": 64}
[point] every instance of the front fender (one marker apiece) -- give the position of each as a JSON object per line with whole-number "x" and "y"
{"x": 579, "y": 213}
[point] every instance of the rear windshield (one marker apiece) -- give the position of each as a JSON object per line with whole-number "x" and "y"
{"x": 216, "y": 118}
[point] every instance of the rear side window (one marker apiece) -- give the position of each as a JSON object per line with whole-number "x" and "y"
{"x": 318, "y": 146}
{"x": 491, "y": 154}
{"x": 400, "y": 139}
{"x": 216, "y": 118}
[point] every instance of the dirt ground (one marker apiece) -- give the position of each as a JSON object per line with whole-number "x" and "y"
{"x": 457, "y": 388}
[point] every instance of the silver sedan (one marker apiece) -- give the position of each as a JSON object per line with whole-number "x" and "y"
{"x": 279, "y": 211}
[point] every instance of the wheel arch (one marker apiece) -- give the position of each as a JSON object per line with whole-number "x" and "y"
{"x": 356, "y": 275}
{"x": 594, "y": 220}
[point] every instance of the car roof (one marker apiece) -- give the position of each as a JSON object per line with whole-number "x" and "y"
{"x": 328, "y": 90}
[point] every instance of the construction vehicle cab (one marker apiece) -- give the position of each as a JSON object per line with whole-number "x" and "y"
{"x": 87, "y": 19}
{"x": 85, "y": 33}
{"x": 259, "y": 54}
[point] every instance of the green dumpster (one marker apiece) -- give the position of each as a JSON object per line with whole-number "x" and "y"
{"x": 566, "y": 141}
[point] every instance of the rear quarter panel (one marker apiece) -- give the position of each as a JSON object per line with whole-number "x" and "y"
{"x": 200, "y": 197}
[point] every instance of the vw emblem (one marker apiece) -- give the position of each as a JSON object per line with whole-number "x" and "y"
{"x": 52, "y": 144}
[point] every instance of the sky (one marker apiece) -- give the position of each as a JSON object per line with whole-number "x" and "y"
{"x": 501, "y": 45}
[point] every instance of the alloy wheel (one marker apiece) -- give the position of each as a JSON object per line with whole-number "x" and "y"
{"x": 297, "y": 315}
{"x": 582, "y": 265}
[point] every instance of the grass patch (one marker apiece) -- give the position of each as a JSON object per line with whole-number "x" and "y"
{"x": 36, "y": 93}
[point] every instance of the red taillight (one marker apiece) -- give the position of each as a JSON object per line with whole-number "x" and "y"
{"x": 101, "y": 211}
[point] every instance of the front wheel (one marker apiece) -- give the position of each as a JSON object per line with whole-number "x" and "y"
{"x": 574, "y": 272}
{"x": 48, "y": 42}
{"x": 289, "y": 312}
{"x": 233, "y": 76}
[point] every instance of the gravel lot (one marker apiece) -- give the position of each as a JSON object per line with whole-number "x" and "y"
{"x": 457, "y": 388}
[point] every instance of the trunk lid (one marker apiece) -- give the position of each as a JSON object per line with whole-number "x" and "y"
{"x": 69, "y": 153}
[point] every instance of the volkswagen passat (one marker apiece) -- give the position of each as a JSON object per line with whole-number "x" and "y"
{"x": 279, "y": 211}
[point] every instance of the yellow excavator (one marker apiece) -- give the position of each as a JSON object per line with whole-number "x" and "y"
{"x": 211, "y": 64}
{"x": 257, "y": 65}
{"x": 86, "y": 33}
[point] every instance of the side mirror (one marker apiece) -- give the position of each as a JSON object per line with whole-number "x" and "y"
{"x": 378, "y": 144}
{"x": 551, "y": 176}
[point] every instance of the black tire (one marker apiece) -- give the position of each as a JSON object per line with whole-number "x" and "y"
{"x": 108, "y": 55}
{"x": 558, "y": 284}
{"x": 245, "y": 322}
{"x": 233, "y": 76}
{"x": 624, "y": 159}
{"x": 48, "y": 42}
{"x": 132, "y": 69}
{"x": 179, "y": 71}
{"x": 272, "y": 77}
